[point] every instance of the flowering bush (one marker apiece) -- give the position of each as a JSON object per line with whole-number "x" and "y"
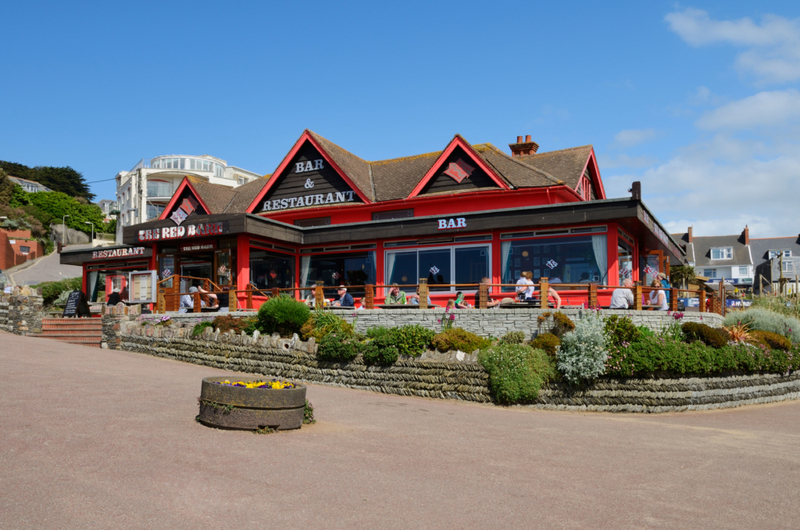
{"x": 766, "y": 320}
{"x": 582, "y": 354}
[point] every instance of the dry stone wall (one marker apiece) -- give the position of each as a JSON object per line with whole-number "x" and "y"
{"x": 498, "y": 322}
{"x": 21, "y": 311}
{"x": 448, "y": 376}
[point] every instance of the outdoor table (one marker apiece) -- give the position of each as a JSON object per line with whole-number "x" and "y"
{"x": 397, "y": 306}
{"x": 517, "y": 305}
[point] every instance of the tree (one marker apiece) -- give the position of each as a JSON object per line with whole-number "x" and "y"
{"x": 63, "y": 179}
{"x": 681, "y": 274}
{"x": 6, "y": 188}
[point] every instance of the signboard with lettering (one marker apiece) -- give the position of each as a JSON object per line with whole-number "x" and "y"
{"x": 183, "y": 231}
{"x": 446, "y": 224}
{"x": 118, "y": 253}
{"x": 76, "y": 306}
{"x": 308, "y": 181}
{"x": 194, "y": 247}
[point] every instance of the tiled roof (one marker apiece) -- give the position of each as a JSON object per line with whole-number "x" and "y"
{"x": 395, "y": 179}
{"x": 703, "y": 246}
{"x": 566, "y": 164}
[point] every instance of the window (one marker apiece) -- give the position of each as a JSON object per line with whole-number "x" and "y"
{"x": 742, "y": 271}
{"x": 775, "y": 253}
{"x": 788, "y": 266}
{"x": 159, "y": 188}
{"x": 625, "y": 260}
{"x": 351, "y": 268}
{"x": 568, "y": 259}
{"x": 393, "y": 214}
{"x": 24, "y": 250}
{"x": 154, "y": 210}
{"x": 441, "y": 265}
{"x": 316, "y": 221}
{"x": 271, "y": 269}
{"x": 722, "y": 253}
{"x": 710, "y": 273}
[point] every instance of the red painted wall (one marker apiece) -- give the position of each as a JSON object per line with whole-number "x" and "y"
{"x": 11, "y": 255}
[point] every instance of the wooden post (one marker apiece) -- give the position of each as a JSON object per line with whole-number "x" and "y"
{"x": 249, "y": 296}
{"x": 161, "y": 306}
{"x": 369, "y": 296}
{"x": 593, "y": 296}
{"x": 423, "y": 293}
{"x": 722, "y": 296}
{"x": 197, "y": 305}
{"x": 275, "y": 292}
{"x": 702, "y": 295}
{"x": 232, "y": 301}
{"x": 483, "y": 295}
{"x": 544, "y": 288}
{"x": 637, "y": 297}
{"x": 319, "y": 299}
{"x": 673, "y": 299}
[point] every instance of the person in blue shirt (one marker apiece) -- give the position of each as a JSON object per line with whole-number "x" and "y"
{"x": 343, "y": 298}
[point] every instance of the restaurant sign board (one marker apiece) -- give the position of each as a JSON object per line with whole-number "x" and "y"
{"x": 118, "y": 253}
{"x": 178, "y": 232}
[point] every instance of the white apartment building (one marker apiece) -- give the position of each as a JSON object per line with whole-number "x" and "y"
{"x": 144, "y": 191}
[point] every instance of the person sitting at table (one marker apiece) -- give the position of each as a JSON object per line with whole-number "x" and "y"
{"x": 525, "y": 286}
{"x": 622, "y": 297}
{"x": 208, "y": 299}
{"x": 343, "y": 299}
{"x": 414, "y": 299}
{"x": 187, "y": 301}
{"x": 459, "y": 301}
{"x": 490, "y": 302}
{"x": 395, "y": 296}
{"x": 657, "y": 297}
{"x": 224, "y": 299}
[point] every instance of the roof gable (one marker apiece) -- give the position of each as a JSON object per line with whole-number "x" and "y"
{"x": 458, "y": 168}
{"x": 310, "y": 176}
{"x": 185, "y": 202}
{"x": 567, "y": 165}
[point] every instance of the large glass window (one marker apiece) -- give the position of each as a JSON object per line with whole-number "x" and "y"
{"x": 722, "y": 253}
{"x": 441, "y": 265}
{"x": 351, "y": 269}
{"x": 154, "y": 210}
{"x": 159, "y": 188}
{"x": 271, "y": 269}
{"x": 566, "y": 259}
{"x": 624, "y": 260}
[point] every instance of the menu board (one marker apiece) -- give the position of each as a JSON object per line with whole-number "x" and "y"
{"x": 142, "y": 287}
{"x": 76, "y": 305}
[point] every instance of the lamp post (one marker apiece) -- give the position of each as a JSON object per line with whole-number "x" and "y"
{"x": 90, "y": 223}
{"x": 64, "y": 229}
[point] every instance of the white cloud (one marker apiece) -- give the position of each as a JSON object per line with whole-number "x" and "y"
{"x": 774, "y": 44}
{"x": 765, "y": 109}
{"x": 631, "y": 137}
{"x": 720, "y": 185}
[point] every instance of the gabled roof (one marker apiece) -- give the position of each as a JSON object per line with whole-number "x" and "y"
{"x": 761, "y": 246}
{"x": 354, "y": 167}
{"x": 565, "y": 164}
{"x": 704, "y": 244}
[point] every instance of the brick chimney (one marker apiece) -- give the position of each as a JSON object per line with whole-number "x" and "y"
{"x": 528, "y": 147}
{"x": 689, "y": 234}
{"x": 746, "y": 235}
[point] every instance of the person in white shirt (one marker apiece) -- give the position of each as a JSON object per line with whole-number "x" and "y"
{"x": 622, "y": 297}
{"x": 657, "y": 297}
{"x": 525, "y": 286}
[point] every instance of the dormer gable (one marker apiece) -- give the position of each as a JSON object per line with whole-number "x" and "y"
{"x": 185, "y": 203}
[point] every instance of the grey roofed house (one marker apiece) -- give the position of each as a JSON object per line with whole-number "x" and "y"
{"x": 722, "y": 257}
{"x": 29, "y": 185}
{"x": 769, "y": 254}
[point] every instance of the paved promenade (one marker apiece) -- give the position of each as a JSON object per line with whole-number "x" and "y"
{"x": 100, "y": 439}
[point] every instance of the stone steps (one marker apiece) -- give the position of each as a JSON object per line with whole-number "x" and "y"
{"x": 85, "y": 331}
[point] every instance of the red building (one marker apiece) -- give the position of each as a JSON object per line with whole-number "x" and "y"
{"x": 17, "y": 247}
{"x": 451, "y": 216}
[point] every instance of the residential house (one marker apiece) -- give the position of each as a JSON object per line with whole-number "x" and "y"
{"x": 29, "y": 185}
{"x": 776, "y": 258}
{"x": 718, "y": 258}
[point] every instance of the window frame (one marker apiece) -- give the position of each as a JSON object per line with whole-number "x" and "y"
{"x": 727, "y": 251}
{"x": 487, "y": 245}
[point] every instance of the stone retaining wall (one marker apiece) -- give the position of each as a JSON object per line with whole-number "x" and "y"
{"x": 498, "y": 322}
{"x": 21, "y": 312}
{"x": 453, "y": 375}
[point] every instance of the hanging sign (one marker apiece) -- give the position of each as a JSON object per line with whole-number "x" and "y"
{"x": 650, "y": 271}
{"x": 176, "y": 232}
{"x": 458, "y": 222}
{"x": 552, "y": 264}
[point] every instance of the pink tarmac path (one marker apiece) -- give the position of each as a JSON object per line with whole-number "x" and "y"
{"x": 102, "y": 439}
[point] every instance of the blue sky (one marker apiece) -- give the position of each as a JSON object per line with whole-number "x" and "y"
{"x": 699, "y": 101}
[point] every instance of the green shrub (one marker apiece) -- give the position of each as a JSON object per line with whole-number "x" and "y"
{"x": 785, "y": 305}
{"x": 582, "y": 354}
{"x": 338, "y": 348}
{"x": 381, "y": 351}
{"x": 283, "y": 315}
{"x": 621, "y": 329}
{"x": 644, "y": 331}
{"x": 694, "y": 331}
{"x": 766, "y": 320}
{"x": 226, "y": 323}
{"x": 547, "y": 342}
{"x": 562, "y": 324}
{"x": 771, "y": 340}
{"x": 655, "y": 355}
{"x": 516, "y": 372}
{"x": 377, "y": 332}
{"x": 323, "y": 323}
{"x": 198, "y": 328}
{"x": 411, "y": 340}
{"x": 513, "y": 337}
{"x": 52, "y": 290}
{"x": 459, "y": 339}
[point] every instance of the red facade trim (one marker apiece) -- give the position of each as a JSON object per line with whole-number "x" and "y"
{"x": 174, "y": 200}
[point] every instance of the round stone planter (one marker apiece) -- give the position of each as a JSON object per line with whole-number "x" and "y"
{"x": 230, "y": 407}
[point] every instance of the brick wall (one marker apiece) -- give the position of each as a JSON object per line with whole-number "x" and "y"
{"x": 11, "y": 254}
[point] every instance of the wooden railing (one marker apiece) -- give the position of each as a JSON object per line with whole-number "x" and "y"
{"x": 586, "y": 294}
